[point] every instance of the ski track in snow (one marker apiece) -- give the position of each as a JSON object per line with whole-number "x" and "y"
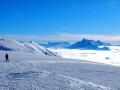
{"x": 42, "y": 74}
{"x": 36, "y": 84}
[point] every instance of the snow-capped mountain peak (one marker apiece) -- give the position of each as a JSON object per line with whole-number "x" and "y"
{"x": 88, "y": 44}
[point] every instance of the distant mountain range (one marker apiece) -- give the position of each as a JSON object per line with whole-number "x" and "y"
{"x": 89, "y": 44}
{"x": 83, "y": 44}
{"x": 13, "y": 45}
{"x": 56, "y": 45}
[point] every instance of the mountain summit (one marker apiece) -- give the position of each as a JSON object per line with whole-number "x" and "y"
{"x": 89, "y": 44}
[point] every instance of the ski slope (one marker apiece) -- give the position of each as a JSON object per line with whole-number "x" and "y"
{"x": 34, "y": 71}
{"x": 111, "y": 56}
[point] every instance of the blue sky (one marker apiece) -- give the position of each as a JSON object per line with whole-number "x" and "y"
{"x": 49, "y": 17}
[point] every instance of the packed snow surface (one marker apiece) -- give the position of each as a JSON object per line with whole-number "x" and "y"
{"x": 34, "y": 71}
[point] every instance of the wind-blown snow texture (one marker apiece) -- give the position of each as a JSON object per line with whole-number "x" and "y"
{"x": 32, "y": 71}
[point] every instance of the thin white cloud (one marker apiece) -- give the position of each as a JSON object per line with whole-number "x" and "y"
{"x": 64, "y": 37}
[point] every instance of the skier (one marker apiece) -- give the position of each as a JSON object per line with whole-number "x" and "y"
{"x": 46, "y": 53}
{"x": 7, "y": 57}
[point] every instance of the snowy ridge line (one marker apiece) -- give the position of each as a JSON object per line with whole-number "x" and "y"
{"x": 33, "y": 47}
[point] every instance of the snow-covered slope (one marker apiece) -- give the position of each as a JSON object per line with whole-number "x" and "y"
{"x": 40, "y": 48}
{"x": 13, "y": 45}
{"x": 30, "y": 46}
{"x": 32, "y": 71}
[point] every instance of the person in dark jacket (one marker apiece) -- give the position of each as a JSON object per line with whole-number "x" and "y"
{"x": 7, "y": 57}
